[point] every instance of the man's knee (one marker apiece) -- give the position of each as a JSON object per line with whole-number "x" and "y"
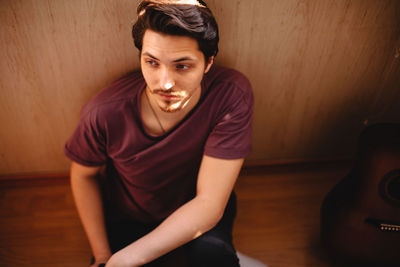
{"x": 210, "y": 251}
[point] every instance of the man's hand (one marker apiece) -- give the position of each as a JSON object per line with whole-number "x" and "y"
{"x": 101, "y": 261}
{"x": 121, "y": 259}
{"x": 100, "y": 264}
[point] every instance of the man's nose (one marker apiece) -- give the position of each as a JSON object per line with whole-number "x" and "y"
{"x": 166, "y": 80}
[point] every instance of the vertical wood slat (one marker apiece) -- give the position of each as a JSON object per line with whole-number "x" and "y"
{"x": 319, "y": 69}
{"x": 55, "y": 56}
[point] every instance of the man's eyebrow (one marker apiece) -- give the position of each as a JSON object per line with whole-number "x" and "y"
{"x": 149, "y": 55}
{"x": 175, "y": 61}
{"x": 184, "y": 59}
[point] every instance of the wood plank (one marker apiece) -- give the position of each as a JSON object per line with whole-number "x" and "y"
{"x": 277, "y": 222}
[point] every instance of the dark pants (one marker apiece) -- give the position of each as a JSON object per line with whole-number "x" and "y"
{"x": 213, "y": 248}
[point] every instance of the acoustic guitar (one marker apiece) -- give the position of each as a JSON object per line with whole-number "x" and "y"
{"x": 360, "y": 216}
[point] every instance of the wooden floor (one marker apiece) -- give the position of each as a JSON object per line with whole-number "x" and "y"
{"x": 277, "y": 222}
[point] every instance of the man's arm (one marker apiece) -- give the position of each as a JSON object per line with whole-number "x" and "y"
{"x": 215, "y": 183}
{"x": 87, "y": 195}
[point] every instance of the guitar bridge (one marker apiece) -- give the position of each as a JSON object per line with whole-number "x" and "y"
{"x": 384, "y": 226}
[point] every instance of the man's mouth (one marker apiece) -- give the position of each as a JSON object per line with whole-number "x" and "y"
{"x": 169, "y": 96}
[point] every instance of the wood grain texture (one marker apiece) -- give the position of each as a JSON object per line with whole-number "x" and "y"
{"x": 55, "y": 56}
{"x": 277, "y": 220}
{"x": 279, "y": 213}
{"x": 320, "y": 70}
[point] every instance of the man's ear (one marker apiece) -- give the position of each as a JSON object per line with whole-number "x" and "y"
{"x": 209, "y": 64}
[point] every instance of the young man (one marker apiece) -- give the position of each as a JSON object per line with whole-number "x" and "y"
{"x": 157, "y": 153}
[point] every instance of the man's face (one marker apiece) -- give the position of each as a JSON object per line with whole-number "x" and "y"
{"x": 173, "y": 67}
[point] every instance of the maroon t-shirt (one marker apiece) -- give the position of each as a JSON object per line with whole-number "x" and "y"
{"x": 149, "y": 177}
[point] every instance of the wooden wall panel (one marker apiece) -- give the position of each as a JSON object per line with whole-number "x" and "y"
{"x": 55, "y": 55}
{"x": 320, "y": 71}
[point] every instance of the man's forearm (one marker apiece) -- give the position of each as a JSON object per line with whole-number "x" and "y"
{"x": 185, "y": 224}
{"x": 189, "y": 221}
{"x": 88, "y": 200}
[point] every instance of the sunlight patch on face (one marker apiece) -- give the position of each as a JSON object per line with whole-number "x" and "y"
{"x": 177, "y": 106}
{"x": 183, "y": 98}
{"x": 168, "y": 86}
{"x": 181, "y": 94}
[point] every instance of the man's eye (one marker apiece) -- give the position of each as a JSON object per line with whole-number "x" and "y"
{"x": 152, "y": 63}
{"x": 182, "y": 67}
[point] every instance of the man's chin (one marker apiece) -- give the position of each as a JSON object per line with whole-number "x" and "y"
{"x": 174, "y": 107}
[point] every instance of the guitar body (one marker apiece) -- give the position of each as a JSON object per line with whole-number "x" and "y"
{"x": 360, "y": 216}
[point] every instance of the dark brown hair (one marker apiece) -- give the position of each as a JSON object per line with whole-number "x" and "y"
{"x": 171, "y": 18}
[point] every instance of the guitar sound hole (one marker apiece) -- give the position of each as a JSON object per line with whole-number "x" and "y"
{"x": 393, "y": 188}
{"x": 390, "y": 187}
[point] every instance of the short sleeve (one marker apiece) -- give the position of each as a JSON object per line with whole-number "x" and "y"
{"x": 87, "y": 144}
{"x": 231, "y": 136}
